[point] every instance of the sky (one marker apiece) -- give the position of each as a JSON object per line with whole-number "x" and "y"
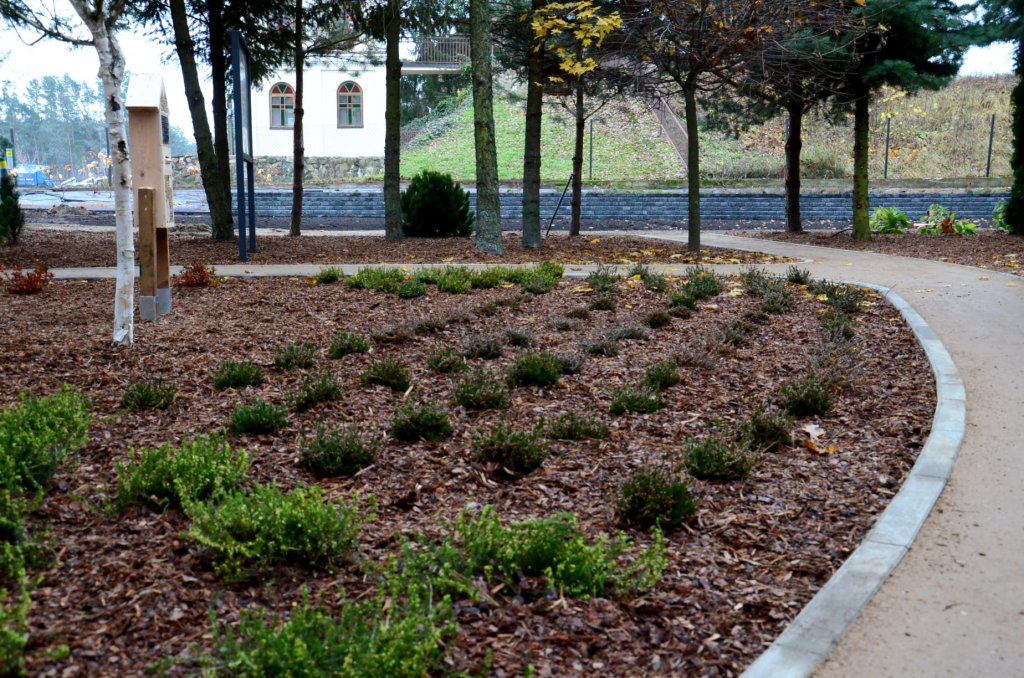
{"x": 145, "y": 55}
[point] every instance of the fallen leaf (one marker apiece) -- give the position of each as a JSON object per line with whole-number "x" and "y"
{"x": 813, "y": 430}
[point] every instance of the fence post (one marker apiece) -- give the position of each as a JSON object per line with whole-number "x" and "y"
{"x": 991, "y": 134}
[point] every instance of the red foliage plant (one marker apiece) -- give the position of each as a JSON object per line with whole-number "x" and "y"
{"x": 19, "y": 282}
{"x": 196, "y": 274}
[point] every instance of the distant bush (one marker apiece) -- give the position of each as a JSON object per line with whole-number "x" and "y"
{"x": 376, "y": 279}
{"x": 481, "y": 390}
{"x": 718, "y": 458}
{"x": 410, "y": 289}
{"x": 535, "y": 369}
{"x": 346, "y": 343}
{"x": 258, "y": 419}
{"x": 424, "y": 421}
{"x": 805, "y": 397}
{"x": 314, "y": 391}
{"x": 339, "y": 451}
{"x": 296, "y": 356}
{"x": 434, "y": 206}
{"x": 12, "y": 219}
{"x": 329, "y": 275}
{"x": 230, "y": 374}
{"x": 387, "y": 372}
{"x": 633, "y": 399}
{"x": 654, "y": 496}
{"x": 512, "y": 453}
{"x": 574, "y": 426}
{"x": 18, "y": 282}
{"x": 155, "y": 394}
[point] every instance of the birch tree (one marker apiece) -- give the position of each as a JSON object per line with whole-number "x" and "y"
{"x": 99, "y": 22}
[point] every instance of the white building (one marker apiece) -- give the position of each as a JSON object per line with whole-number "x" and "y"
{"x": 343, "y": 99}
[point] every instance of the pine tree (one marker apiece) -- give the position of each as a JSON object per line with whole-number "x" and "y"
{"x": 12, "y": 219}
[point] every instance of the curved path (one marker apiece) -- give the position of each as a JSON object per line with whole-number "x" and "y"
{"x": 954, "y": 606}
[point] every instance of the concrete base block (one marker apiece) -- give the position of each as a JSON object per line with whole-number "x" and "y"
{"x": 147, "y": 309}
{"x": 163, "y": 301}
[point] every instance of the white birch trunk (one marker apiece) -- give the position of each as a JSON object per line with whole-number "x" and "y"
{"x": 112, "y": 74}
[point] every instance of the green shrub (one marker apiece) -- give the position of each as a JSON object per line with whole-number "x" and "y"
{"x": 446, "y": 361}
{"x": 37, "y": 435}
{"x": 843, "y": 298}
{"x": 347, "y": 343}
{"x": 602, "y": 346}
{"x": 257, "y": 419}
{"x": 733, "y": 333}
{"x": 573, "y": 426}
{"x": 718, "y": 459}
{"x": 701, "y": 283}
{"x": 376, "y": 279}
{"x": 603, "y": 280}
{"x": 627, "y": 334}
{"x": 488, "y": 278}
{"x": 537, "y": 283}
{"x": 454, "y": 280}
{"x": 798, "y": 276}
{"x": 230, "y": 374}
{"x": 247, "y": 532}
{"x": 425, "y": 421}
{"x": 535, "y": 369}
{"x": 410, "y": 289}
{"x": 768, "y": 429}
{"x": 328, "y": 276}
{"x": 661, "y": 375}
{"x": 509, "y": 452}
{"x": 652, "y": 282}
{"x": 484, "y": 346}
{"x": 428, "y": 324}
{"x": 657, "y": 320}
{"x": 579, "y": 313}
{"x": 296, "y": 356}
{"x": 564, "y": 324}
{"x": 519, "y": 338}
{"x": 999, "y": 217}
{"x": 805, "y": 397}
{"x": 385, "y": 636}
{"x": 776, "y": 300}
{"x": 480, "y": 391}
{"x": 155, "y": 394}
{"x": 757, "y": 281}
{"x": 653, "y": 497}
{"x": 12, "y": 218}
{"x": 604, "y": 302}
{"x": 682, "y": 299}
{"x": 314, "y": 391}
{"x": 337, "y": 451}
{"x": 889, "y": 220}
{"x": 633, "y": 400}
{"x": 838, "y": 326}
{"x": 434, "y": 206}
{"x": 13, "y": 629}
{"x": 200, "y": 470}
{"x": 387, "y": 372}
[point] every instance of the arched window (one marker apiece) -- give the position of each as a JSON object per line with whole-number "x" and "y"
{"x": 350, "y": 105}
{"x": 282, "y": 106}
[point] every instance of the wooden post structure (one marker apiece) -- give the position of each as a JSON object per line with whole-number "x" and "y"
{"x": 149, "y": 131}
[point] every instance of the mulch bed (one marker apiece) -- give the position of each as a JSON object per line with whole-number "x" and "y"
{"x": 990, "y": 249}
{"x": 126, "y": 591}
{"x": 67, "y": 248}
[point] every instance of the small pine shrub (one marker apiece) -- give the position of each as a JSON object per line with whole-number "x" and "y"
{"x": 434, "y": 206}
{"x": 805, "y": 397}
{"x": 654, "y": 496}
{"x": 509, "y": 452}
{"x": 447, "y": 361}
{"x": 635, "y": 400}
{"x": 717, "y": 459}
{"x": 481, "y": 390}
{"x": 424, "y": 421}
{"x": 798, "y": 276}
{"x": 196, "y": 274}
{"x": 520, "y": 338}
{"x": 37, "y": 435}
{"x": 603, "y": 280}
{"x": 230, "y": 374}
{"x": 657, "y": 320}
{"x": 248, "y": 532}
{"x": 483, "y": 346}
{"x": 296, "y": 356}
{"x": 347, "y": 343}
{"x": 604, "y": 302}
{"x": 768, "y": 429}
{"x": 155, "y": 394}
{"x": 314, "y": 391}
{"x": 535, "y": 369}
{"x": 376, "y": 279}
{"x": 627, "y": 334}
{"x": 257, "y": 419}
{"x": 12, "y": 218}
{"x": 201, "y": 469}
{"x": 17, "y": 282}
{"x": 661, "y": 375}
{"x": 328, "y": 276}
{"x": 387, "y": 372}
{"x": 339, "y": 451}
{"x": 573, "y": 426}
{"x": 411, "y": 289}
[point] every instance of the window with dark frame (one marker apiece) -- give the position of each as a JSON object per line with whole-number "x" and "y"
{"x": 350, "y": 105}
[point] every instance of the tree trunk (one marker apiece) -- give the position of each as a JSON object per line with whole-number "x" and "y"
{"x": 298, "y": 149}
{"x": 861, "y": 126}
{"x": 1014, "y": 214}
{"x": 111, "y": 73}
{"x": 531, "y": 153}
{"x": 488, "y": 202}
{"x": 577, "y": 163}
{"x": 218, "y": 200}
{"x": 692, "y": 168}
{"x": 794, "y": 143}
{"x": 219, "y": 80}
{"x": 393, "y": 124}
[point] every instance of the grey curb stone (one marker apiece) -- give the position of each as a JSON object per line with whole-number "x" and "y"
{"x": 814, "y": 633}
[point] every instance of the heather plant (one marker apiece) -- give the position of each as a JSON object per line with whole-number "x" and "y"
{"x": 397, "y": 333}
{"x": 682, "y": 299}
{"x": 574, "y": 426}
{"x": 718, "y": 458}
{"x": 798, "y": 276}
{"x": 701, "y": 283}
{"x": 480, "y": 390}
{"x": 635, "y": 400}
{"x": 603, "y": 280}
{"x": 604, "y": 302}
{"x": 484, "y": 346}
{"x": 315, "y": 390}
{"x": 347, "y": 343}
{"x": 656, "y": 320}
{"x": 653, "y": 282}
{"x": 387, "y": 372}
{"x": 230, "y": 374}
{"x": 655, "y": 497}
{"x": 768, "y": 429}
{"x": 805, "y": 397}
{"x": 37, "y": 435}
{"x": 328, "y": 275}
{"x": 578, "y": 313}
{"x": 446, "y": 361}
{"x": 520, "y": 338}
{"x": 376, "y": 279}
{"x": 411, "y": 289}
{"x": 420, "y": 421}
{"x": 296, "y": 356}
{"x": 535, "y": 369}
{"x": 627, "y": 334}
{"x": 602, "y": 346}
{"x": 837, "y": 326}
{"x": 258, "y": 419}
{"x": 339, "y": 450}
{"x": 509, "y": 452}
{"x": 661, "y": 375}
{"x": 154, "y": 394}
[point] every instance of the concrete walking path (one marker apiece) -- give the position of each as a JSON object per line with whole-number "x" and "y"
{"x": 954, "y": 606}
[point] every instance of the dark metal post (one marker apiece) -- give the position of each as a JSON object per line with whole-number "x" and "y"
{"x": 591, "y": 149}
{"x": 888, "y": 124}
{"x": 559, "y": 205}
{"x": 991, "y": 135}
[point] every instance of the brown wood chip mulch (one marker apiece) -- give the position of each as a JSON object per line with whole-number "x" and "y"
{"x": 989, "y": 249}
{"x": 126, "y": 591}
{"x": 67, "y": 248}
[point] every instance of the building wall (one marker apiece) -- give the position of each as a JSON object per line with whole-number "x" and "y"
{"x": 323, "y": 137}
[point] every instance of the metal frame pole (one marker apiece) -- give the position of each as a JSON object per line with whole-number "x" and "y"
{"x": 885, "y": 172}
{"x": 991, "y": 135}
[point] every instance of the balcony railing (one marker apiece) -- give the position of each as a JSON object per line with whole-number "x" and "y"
{"x": 441, "y": 49}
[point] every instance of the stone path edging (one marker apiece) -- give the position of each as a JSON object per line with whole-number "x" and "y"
{"x": 811, "y": 636}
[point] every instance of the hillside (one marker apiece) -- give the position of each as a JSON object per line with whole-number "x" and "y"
{"x": 934, "y": 136}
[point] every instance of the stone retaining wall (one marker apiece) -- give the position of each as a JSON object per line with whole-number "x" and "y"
{"x": 271, "y": 171}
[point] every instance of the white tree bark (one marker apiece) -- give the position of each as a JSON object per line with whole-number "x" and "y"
{"x": 111, "y": 73}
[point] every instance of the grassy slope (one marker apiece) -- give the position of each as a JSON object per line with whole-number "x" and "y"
{"x": 934, "y": 135}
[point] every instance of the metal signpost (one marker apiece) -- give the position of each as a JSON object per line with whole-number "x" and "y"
{"x": 243, "y": 146}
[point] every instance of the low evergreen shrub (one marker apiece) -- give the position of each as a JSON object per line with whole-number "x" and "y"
{"x": 257, "y": 419}
{"x": 718, "y": 458}
{"x": 301, "y": 355}
{"x": 635, "y": 400}
{"x": 805, "y": 397}
{"x": 654, "y": 496}
{"x": 480, "y": 390}
{"x": 574, "y": 426}
{"x": 447, "y": 361}
{"x": 434, "y": 206}
{"x": 321, "y": 389}
{"x": 339, "y": 451}
{"x": 509, "y": 452}
{"x": 230, "y": 374}
{"x": 347, "y": 343}
{"x": 535, "y": 369}
{"x": 420, "y": 421}
{"x": 387, "y": 372}
{"x": 155, "y": 394}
